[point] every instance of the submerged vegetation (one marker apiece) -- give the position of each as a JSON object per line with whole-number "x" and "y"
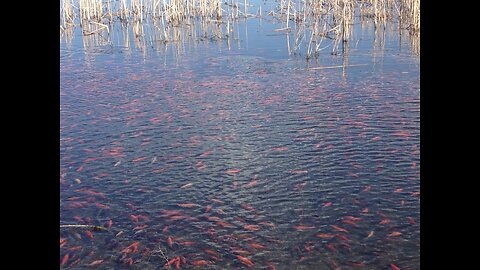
{"x": 310, "y": 21}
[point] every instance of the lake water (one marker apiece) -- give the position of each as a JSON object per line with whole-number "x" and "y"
{"x": 208, "y": 150}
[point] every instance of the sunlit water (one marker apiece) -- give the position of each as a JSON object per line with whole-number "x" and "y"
{"x": 209, "y": 151}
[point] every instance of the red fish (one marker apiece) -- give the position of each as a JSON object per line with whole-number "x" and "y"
{"x": 325, "y": 235}
{"x": 394, "y": 267}
{"x": 134, "y": 218}
{"x": 96, "y": 262}
{"x": 131, "y": 248}
{"x": 302, "y": 228}
{"x": 247, "y": 207}
{"x": 139, "y": 159}
{"x": 89, "y": 234}
{"x": 367, "y": 189}
{"x": 109, "y": 223}
{"x": 188, "y": 205}
{"x": 187, "y": 243}
{"x": 140, "y": 227}
{"x": 298, "y": 171}
{"x": 395, "y": 234}
{"x": 339, "y": 228}
{"x": 217, "y": 201}
{"x": 171, "y": 261}
{"x": 65, "y": 259}
{"x": 232, "y": 171}
{"x": 411, "y": 220}
{"x": 225, "y": 224}
{"x": 398, "y": 190}
{"x": 212, "y": 252}
{"x": 280, "y": 149}
{"x": 252, "y": 227}
{"x": 200, "y": 262}
{"x": 204, "y": 154}
{"x": 101, "y": 205}
{"x": 365, "y": 210}
{"x": 255, "y": 245}
{"x": 251, "y": 184}
{"x": 385, "y": 221}
{"x": 327, "y": 204}
{"x": 80, "y": 169}
{"x": 245, "y": 261}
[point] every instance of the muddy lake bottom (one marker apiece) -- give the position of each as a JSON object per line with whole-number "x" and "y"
{"x": 216, "y": 155}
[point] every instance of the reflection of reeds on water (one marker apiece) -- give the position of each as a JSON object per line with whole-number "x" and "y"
{"x": 308, "y": 22}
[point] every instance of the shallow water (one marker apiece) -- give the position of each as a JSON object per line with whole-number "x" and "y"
{"x": 217, "y": 150}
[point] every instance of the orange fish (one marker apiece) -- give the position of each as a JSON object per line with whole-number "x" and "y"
{"x": 225, "y": 224}
{"x": 251, "y": 184}
{"x": 398, "y": 190}
{"x": 255, "y": 245}
{"x": 171, "y": 261}
{"x": 101, "y": 205}
{"x": 339, "y": 228}
{"x": 245, "y": 261}
{"x": 200, "y": 262}
{"x": 133, "y": 248}
{"x": 325, "y": 235}
{"x": 411, "y": 220}
{"x": 394, "y": 267}
{"x": 65, "y": 259}
{"x": 187, "y": 243}
{"x": 395, "y": 234}
{"x": 327, "y": 204}
{"x": 301, "y": 228}
{"x": 232, "y": 171}
{"x": 385, "y": 221}
{"x": 212, "y": 252}
{"x": 188, "y": 205}
{"x": 252, "y": 227}
{"x": 96, "y": 262}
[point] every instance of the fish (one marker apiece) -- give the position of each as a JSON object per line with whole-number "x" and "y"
{"x": 370, "y": 234}
{"x": 247, "y": 207}
{"x": 141, "y": 227}
{"x": 395, "y": 234}
{"x": 133, "y": 248}
{"x": 187, "y": 185}
{"x": 245, "y": 261}
{"x": 301, "y": 228}
{"x": 96, "y": 262}
{"x": 325, "y": 235}
{"x": 411, "y": 220}
{"x": 208, "y": 208}
{"x": 327, "y": 204}
{"x": 117, "y": 163}
{"x": 165, "y": 229}
{"x": 171, "y": 261}
{"x": 232, "y": 171}
{"x": 398, "y": 190}
{"x": 188, "y": 205}
{"x": 216, "y": 200}
{"x": 109, "y": 223}
{"x": 385, "y": 221}
{"x": 340, "y": 229}
{"x": 187, "y": 243}
{"x": 89, "y": 234}
{"x": 224, "y": 224}
{"x": 367, "y": 189}
{"x": 200, "y": 262}
{"x": 252, "y": 227}
{"x": 251, "y": 184}
{"x": 101, "y": 205}
{"x": 365, "y": 210}
{"x": 139, "y": 159}
{"x": 298, "y": 171}
{"x": 212, "y": 252}
{"x": 280, "y": 149}
{"x": 170, "y": 241}
{"x": 394, "y": 267}
{"x": 206, "y": 153}
{"x": 134, "y": 218}
{"x": 255, "y": 245}
{"x": 65, "y": 259}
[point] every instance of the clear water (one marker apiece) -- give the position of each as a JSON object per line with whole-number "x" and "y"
{"x": 235, "y": 148}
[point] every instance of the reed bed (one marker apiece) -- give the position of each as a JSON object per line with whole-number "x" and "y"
{"x": 311, "y": 21}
